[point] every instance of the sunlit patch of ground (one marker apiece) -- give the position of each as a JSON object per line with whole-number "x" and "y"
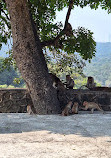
{"x": 53, "y": 136}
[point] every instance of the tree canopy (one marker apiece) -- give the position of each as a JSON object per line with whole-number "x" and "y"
{"x": 60, "y": 42}
{"x": 56, "y": 36}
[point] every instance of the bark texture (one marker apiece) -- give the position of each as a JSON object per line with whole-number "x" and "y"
{"x": 29, "y": 58}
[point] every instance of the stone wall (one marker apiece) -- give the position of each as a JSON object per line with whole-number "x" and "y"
{"x": 13, "y": 100}
{"x": 101, "y": 97}
{"x": 16, "y": 100}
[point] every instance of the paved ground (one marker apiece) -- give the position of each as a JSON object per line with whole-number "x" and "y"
{"x": 53, "y": 136}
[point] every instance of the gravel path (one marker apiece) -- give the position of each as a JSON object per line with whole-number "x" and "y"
{"x": 53, "y": 136}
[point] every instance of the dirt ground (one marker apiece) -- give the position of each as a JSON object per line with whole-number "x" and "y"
{"x": 53, "y": 136}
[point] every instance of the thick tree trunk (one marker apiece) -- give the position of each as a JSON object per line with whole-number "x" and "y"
{"x": 29, "y": 58}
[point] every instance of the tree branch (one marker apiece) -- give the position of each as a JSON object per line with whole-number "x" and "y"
{"x": 5, "y": 14}
{"x": 4, "y": 1}
{"x": 69, "y": 12}
{"x": 67, "y": 28}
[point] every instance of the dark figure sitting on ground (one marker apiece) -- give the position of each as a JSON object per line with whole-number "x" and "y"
{"x": 90, "y": 83}
{"x": 69, "y": 82}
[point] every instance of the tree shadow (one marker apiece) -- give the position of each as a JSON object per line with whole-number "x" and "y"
{"x": 84, "y": 124}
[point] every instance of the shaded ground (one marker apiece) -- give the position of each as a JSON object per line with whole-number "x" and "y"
{"x": 53, "y": 136}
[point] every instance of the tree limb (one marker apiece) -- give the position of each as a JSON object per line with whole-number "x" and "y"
{"x": 69, "y": 12}
{"x": 66, "y": 28}
{"x": 4, "y": 1}
{"x": 5, "y": 14}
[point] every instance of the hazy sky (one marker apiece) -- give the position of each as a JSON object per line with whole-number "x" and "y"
{"x": 98, "y": 21}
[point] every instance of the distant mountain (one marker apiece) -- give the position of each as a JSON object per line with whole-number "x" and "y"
{"x": 103, "y": 49}
{"x": 100, "y": 66}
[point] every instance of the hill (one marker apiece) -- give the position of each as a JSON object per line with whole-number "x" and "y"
{"x": 100, "y": 66}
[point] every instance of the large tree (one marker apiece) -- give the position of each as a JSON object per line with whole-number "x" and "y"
{"x": 33, "y": 29}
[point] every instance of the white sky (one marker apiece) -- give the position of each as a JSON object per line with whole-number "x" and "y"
{"x": 98, "y": 21}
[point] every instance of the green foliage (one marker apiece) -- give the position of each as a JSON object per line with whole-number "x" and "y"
{"x": 79, "y": 80}
{"x": 61, "y": 69}
{"x": 81, "y": 41}
{"x": 85, "y": 44}
{"x": 8, "y": 61}
{"x": 44, "y": 13}
{"x": 5, "y": 27}
{"x": 18, "y": 80}
{"x": 64, "y": 63}
{"x": 7, "y": 75}
{"x": 5, "y": 86}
